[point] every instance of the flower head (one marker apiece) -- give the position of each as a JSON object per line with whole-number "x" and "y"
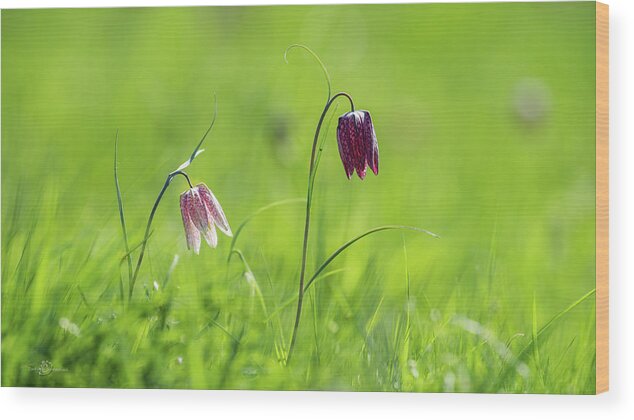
{"x": 201, "y": 214}
{"x": 358, "y": 147}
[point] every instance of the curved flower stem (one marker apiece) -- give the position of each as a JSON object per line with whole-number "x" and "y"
{"x": 309, "y": 196}
{"x": 323, "y": 67}
{"x": 149, "y": 225}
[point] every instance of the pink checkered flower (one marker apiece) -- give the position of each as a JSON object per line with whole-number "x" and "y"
{"x": 358, "y": 147}
{"x": 201, "y": 214}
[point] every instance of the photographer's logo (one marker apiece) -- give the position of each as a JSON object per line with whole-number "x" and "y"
{"x": 45, "y": 368}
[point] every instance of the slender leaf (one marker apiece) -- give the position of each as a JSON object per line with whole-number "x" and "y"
{"x": 353, "y": 240}
{"x": 198, "y": 150}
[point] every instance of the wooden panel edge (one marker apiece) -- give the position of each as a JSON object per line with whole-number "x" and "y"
{"x": 602, "y": 198}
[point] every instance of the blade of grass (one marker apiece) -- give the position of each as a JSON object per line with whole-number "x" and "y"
{"x": 406, "y": 381}
{"x": 135, "y": 247}
{"x": 83, "y": 297}
{"x": 294, "y": 298}
{"x": 538, "y": 359}
{"x": 128, "y": 256}
{"x": 244, "y": 223}
{"x": 213, "y": 322}
{"x": 168, "y": 276}
{"x": 278, "y": 321}
{"x": 252, "y": 282}
{"x": 554, "y": 319}
{"x": 313, "y": 302}
{"x": 351, "y": 242}
{"x": 369, "y": 326}
{"x": 542, "y": 331}
{"x": 226, "y": 373}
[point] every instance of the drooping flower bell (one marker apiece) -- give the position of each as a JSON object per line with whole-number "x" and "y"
{"x": 358, "y": 147}
{"x": 201, "y": 214}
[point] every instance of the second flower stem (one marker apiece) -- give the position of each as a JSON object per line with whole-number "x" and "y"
{"x": 311, "y": 175}
{"x": 149, "y": 225}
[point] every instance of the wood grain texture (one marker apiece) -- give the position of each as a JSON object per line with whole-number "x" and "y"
{"x": 602, "y": 198}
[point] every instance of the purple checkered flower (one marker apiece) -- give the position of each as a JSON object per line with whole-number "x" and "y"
{"x": 358, "y": 147}
{"x": 201, "y": 214}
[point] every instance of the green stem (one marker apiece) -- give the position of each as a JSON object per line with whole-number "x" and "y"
{"x": 309, "y": 197}
{"x": 149, "y": 225}
{"x": 321, "y": 63}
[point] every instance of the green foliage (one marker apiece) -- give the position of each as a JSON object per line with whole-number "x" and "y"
{"x": 485, "y": 120}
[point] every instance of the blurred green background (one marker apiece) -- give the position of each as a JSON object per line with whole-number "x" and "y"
{"x": 484, "y": 115}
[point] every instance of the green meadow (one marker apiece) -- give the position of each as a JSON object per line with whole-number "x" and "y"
{"x": 485, "y": 119}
